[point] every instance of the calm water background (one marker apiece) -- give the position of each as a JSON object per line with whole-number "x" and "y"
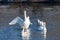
{"x": 51, "y": 16}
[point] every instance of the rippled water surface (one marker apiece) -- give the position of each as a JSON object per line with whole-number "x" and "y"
{"x": 14, "y": 32}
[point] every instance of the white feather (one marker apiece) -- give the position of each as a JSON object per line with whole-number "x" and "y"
{"x": 16, "y": 20}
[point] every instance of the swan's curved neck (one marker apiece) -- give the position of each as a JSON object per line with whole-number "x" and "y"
{"x": 25, "y": 14}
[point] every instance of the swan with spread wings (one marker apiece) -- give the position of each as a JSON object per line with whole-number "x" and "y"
{"x": 23, "y": 23}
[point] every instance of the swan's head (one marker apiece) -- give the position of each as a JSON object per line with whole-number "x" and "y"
{"x": 40, "y": 22}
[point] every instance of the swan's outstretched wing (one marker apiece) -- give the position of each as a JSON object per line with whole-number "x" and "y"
{"x": 16, "y": 20}
{"x": 20, "y": 21}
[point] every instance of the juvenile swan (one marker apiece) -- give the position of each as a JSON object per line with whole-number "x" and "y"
{"x": 42, "y": 28}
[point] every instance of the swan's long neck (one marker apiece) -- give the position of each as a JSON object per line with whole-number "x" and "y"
{"x": 25, "y": 15}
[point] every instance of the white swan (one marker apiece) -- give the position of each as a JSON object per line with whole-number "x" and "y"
{"x": 24, "y": 25}
{"x": 42, "y": 28}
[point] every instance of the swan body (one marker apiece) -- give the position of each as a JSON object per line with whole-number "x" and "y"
{"x": 42, "y": 28}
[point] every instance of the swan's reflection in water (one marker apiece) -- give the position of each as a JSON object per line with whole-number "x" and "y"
{"x": 37, "y": 35}
{"x": 25, "y": 34}
{"x": 43, "y": 36}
